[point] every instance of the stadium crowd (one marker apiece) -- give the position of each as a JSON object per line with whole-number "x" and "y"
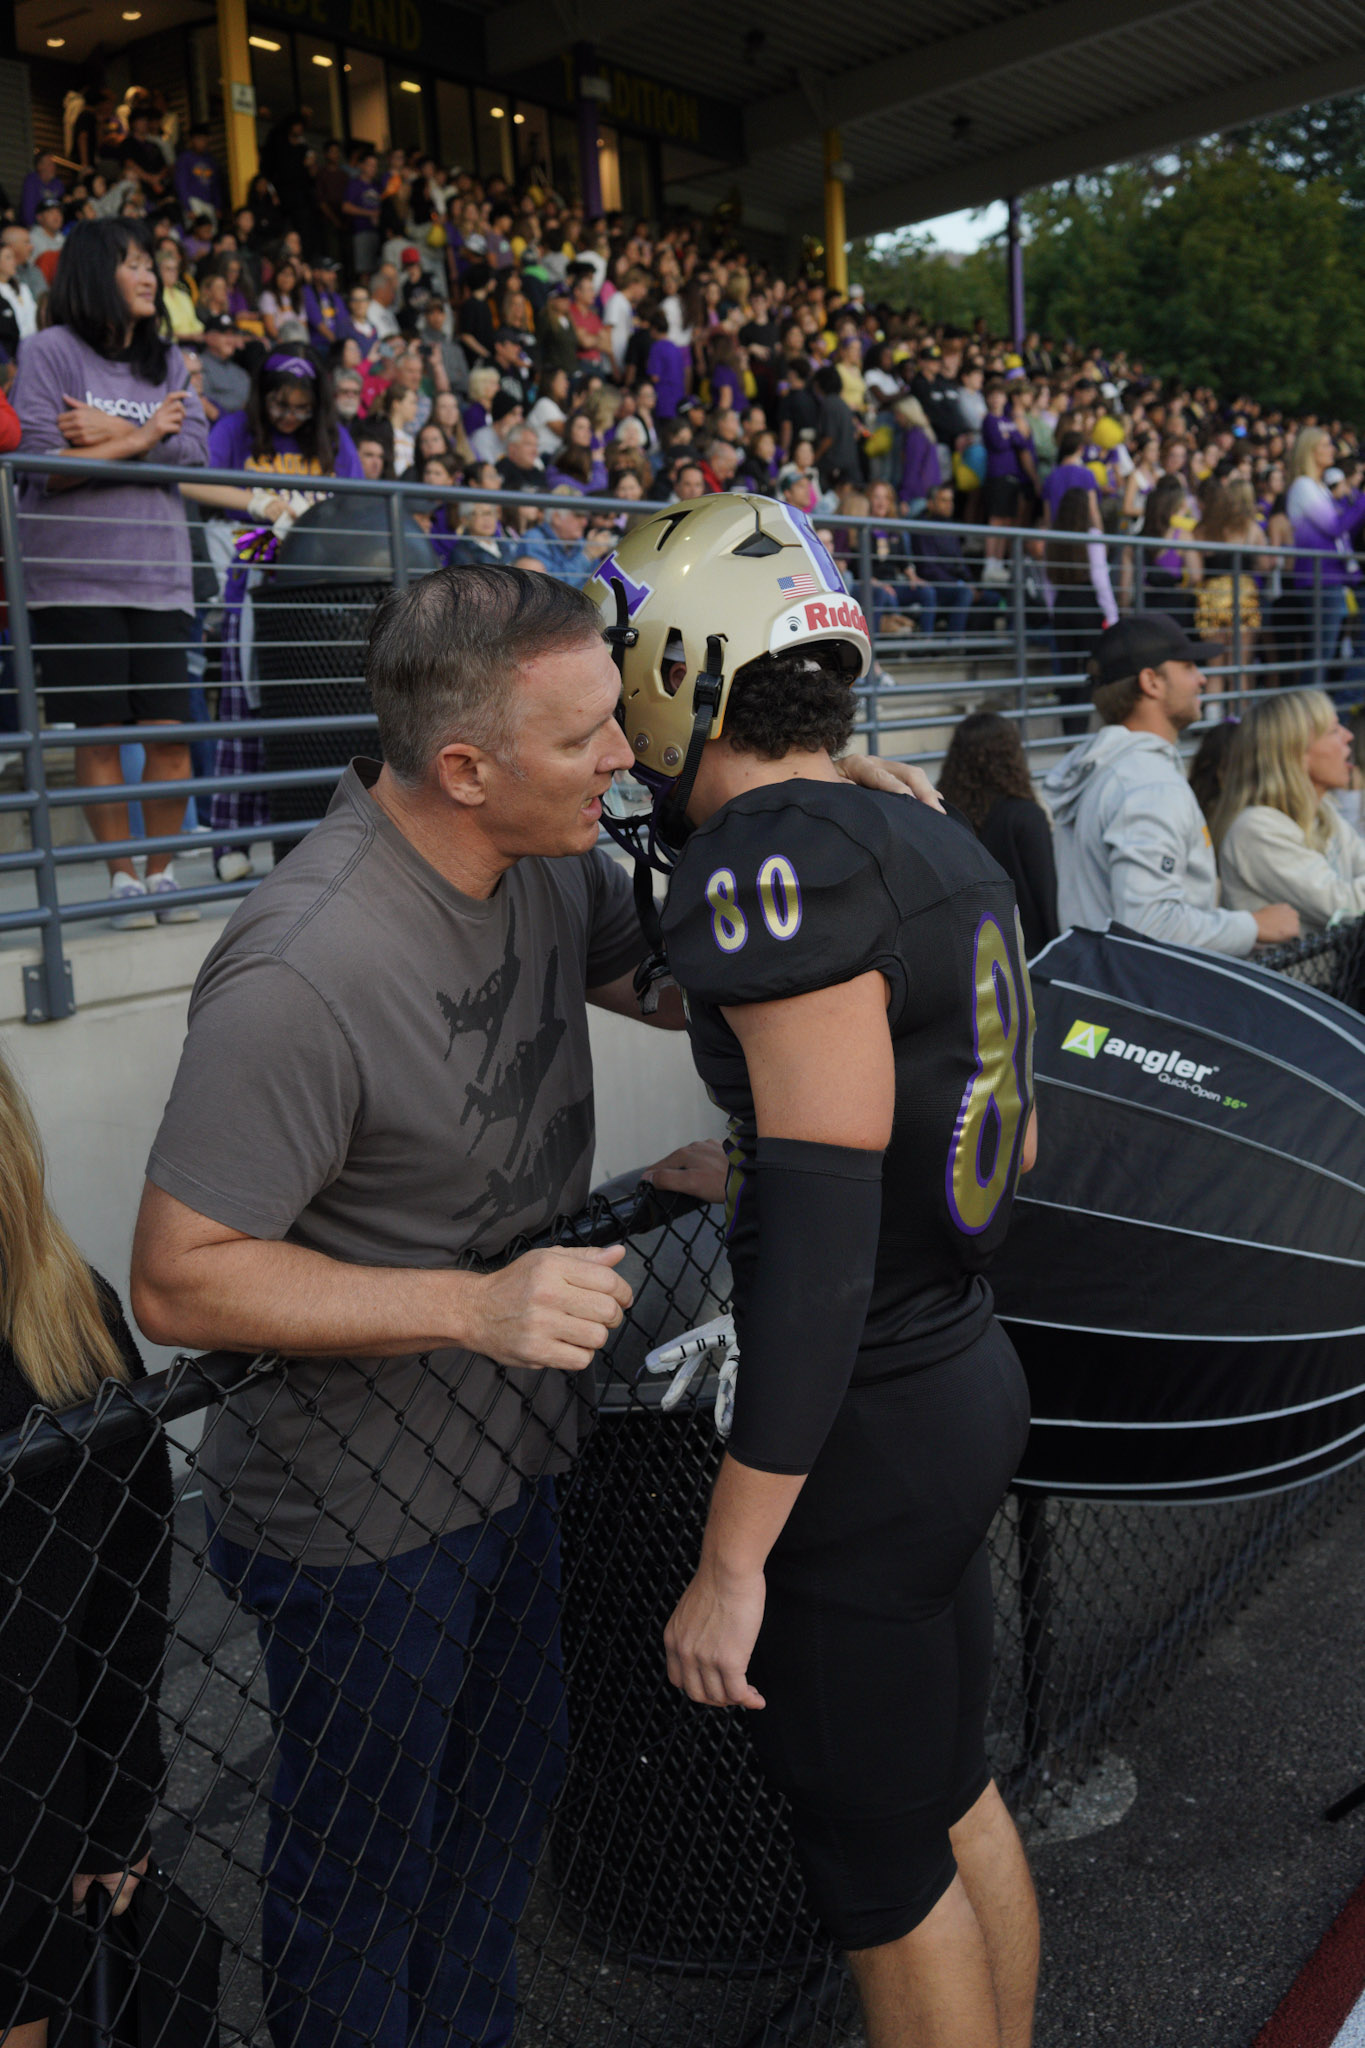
{"x": 391, "y": 319}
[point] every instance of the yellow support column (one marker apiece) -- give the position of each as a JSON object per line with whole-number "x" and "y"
{"x": 836, "y": 237}
{"x": 239, "y": 99}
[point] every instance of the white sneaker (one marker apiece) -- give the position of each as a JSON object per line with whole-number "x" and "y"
{"x": 163, "y": 888}
{"x": 131, "y": 889}
{"x": 993, "y": 570}
{"x": 233, "y": 865}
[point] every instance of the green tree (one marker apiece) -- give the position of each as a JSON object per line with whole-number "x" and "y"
{"x": 909, "y": 269}
{"x": 1219, "y": 267}
{"x": 1324, "y": 141}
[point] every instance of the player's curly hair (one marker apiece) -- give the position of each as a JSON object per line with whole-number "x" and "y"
{"x": 985, "y": 760}
{"x": 791, "y": 703}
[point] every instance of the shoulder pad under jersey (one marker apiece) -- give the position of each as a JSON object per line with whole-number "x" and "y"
{"x": 780, "y": 893}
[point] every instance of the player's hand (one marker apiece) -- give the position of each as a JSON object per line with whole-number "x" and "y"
{"x": 120, "y": 1885}
{"x": 1276, "y": 924}
{"x": 698, "y": 1169}
{"x": 711, "y": 1638}
{"x": 893, "y": 778}
{"x": 549, "y": 1309}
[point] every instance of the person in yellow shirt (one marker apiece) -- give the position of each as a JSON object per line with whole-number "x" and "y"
{"x": 177, "y": 293}
{"x": 849, "y": 363}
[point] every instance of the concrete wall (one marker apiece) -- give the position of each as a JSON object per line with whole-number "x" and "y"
{"x": 98, "y": 1081}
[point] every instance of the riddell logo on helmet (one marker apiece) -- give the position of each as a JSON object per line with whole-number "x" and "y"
{"x": 824, "y": 618}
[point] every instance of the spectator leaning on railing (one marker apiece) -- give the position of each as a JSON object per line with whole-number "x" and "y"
{"x": 86, "y": 1563}
{"x": 107, "y": 565}
{"x": 1278, "y": 833}
{"x": 1131, "y": 841}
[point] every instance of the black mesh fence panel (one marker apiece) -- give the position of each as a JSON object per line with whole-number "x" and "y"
{"x": 310, "y": 652}
{"x": 448, "y": 1794}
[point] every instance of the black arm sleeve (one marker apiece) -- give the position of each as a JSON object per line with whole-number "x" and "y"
{"x": 819, "y": 1213}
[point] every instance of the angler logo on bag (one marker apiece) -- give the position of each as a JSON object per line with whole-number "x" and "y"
{"x": 1085, "y": 1039}
{"x": 1171, "y": 1068}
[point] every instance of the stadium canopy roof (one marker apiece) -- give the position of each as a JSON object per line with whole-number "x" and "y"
{"x": 949, "y": 103}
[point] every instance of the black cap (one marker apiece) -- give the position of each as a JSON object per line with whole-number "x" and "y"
{"x": 503, "y": 403}
{"x": 1143, "y": 641}
{"x": 323, "y": 262}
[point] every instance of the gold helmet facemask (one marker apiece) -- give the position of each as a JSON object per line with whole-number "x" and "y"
{"x": 711, "y": 584}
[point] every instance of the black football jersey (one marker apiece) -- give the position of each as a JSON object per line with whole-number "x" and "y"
{"x": 802, "y": 884}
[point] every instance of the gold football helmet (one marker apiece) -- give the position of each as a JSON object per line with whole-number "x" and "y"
{"x": 713, "y": 584}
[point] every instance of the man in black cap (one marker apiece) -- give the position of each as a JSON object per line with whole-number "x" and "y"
{"x": 323, "y": 307}
{"x": 1131, "y": 841}
{"x": 226, "y": 385}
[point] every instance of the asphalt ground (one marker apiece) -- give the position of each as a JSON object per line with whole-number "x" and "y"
{"x": 1183, "y": 1925}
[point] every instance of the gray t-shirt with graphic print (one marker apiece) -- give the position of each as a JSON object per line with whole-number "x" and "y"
{"x": 395, "y": 1074}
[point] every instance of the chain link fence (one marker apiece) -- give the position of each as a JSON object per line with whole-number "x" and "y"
{"x": 447, "y": 1794}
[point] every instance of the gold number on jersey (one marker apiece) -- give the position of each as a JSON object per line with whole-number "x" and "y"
{"x": 729, "y": 926}
{"x": 778, "y": 886}
{"x": 993, "y": 1101}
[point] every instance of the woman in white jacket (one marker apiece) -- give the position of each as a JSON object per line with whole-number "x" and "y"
{"x": 1279, "y": 835}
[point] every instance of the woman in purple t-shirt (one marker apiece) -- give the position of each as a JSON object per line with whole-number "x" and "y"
{"x": 288, "y": 436}
{"x": 107, "y": 565}
{"x": 669, "y": 368}
{"x": 1011, "y": 471}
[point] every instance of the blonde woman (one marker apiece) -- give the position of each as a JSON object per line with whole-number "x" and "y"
{"x": 1226, "y": 604}
{"x": 1322, "y": 524}
{"x": 1279, "y": 835}
{"x": 84, "y": 1578}
{"x": 484, "y": 385}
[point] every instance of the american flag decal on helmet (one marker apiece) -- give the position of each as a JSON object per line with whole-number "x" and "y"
{"x": 803, "y": 585}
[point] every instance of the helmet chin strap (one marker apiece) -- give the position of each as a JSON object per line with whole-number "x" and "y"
{"x": 653, "y": 842}
{"x": 672, "y": 807}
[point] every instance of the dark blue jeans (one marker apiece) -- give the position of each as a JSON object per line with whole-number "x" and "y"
{"x": 419, "y": 1708}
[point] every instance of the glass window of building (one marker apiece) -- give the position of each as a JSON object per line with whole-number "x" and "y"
{"x": 531, "y": 137}
{"x": 637, "y": 183}
{"x": 272, "y": 76}
{"x": 454, "y": 127}
{"x": 609, "y": 169}
{"x": 564, "y": 157}
{"x": 493, "y": 134}
{"x": 320, "y": 85}
{"x": 407, "y": 110}
{"x": 368, "y": 98}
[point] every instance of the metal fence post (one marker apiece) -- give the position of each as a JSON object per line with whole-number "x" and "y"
{"x": 874, "y": 734}
{"x": 398, "y": 553}
{"x": 48, "y": 993}
{"x": 1020, "y": 629}
{"x": 1318, "y": 673}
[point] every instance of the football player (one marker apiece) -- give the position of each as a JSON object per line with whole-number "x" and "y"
{"x": 858, "y": 1002}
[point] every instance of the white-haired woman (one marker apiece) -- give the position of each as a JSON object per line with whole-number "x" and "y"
{"x": 1280, "y": 837}
{"x": 84, "y": 1564}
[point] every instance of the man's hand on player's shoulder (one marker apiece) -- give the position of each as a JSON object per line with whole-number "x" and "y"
{"x": 893, "y": 778}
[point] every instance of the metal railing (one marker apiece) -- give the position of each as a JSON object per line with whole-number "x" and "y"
{"x": 1002, "y": 644}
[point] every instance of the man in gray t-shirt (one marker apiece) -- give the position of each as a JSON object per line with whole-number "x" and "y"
{"x": 386, "y": 1079}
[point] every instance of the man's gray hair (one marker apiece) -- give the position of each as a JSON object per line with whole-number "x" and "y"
{"x": 444, "y": 654}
